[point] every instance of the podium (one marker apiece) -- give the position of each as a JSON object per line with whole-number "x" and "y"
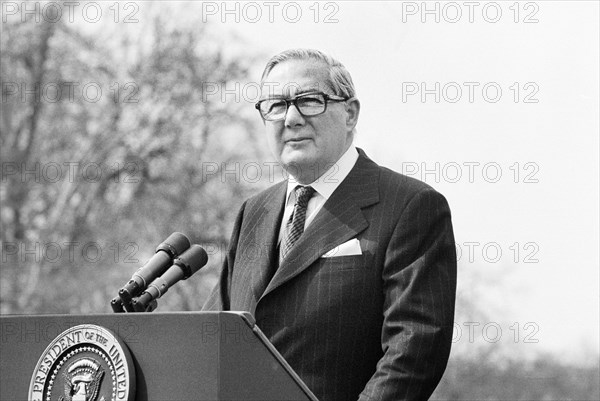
{"x": 172, "y": 356}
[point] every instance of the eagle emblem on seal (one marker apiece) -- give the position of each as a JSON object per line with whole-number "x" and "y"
{"x": 82, "y": 381}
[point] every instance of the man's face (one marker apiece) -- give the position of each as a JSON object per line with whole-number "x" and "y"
{"x": 307, "y": 146}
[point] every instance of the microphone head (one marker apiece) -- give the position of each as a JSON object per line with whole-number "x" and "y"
{"x": 192, "y": 260}
{"x": 174, "y": 245}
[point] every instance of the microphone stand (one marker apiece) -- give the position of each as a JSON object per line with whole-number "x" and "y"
{"x": 117, "y": 306}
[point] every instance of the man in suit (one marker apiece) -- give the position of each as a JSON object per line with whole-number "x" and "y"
{"x": 348, "y": 267}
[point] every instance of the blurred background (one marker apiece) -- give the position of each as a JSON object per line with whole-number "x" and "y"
{"x": 123, "y": 122}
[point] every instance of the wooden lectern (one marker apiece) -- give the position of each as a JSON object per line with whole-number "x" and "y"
{"x": 176, "y": 356}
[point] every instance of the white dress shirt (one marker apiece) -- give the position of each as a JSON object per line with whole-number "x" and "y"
{"x": 323, "y": 186}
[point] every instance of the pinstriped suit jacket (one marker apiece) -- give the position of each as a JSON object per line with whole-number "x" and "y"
{"x": 376, "y": 326}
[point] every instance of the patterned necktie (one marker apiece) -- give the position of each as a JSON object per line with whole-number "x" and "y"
{"x": 295, "y": 229}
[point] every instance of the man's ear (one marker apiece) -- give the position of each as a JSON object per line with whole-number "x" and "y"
{"x": 352, "y": 112}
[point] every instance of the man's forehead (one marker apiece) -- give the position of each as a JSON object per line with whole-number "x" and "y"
{"x": 290, "y": 89}
{"x": 294, "y": 77}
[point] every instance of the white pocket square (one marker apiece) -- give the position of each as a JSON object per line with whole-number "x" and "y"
{"x": 348, "y": 248}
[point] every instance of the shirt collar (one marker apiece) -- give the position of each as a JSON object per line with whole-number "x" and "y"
{"x": 327, "y": 183}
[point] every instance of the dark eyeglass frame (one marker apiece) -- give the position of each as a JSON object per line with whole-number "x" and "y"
{"x": 326, "y": 97}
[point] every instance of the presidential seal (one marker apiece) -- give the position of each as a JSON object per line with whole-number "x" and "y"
{"x": 84, "y": 363}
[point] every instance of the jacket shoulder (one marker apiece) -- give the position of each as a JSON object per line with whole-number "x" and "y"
{"x": 398, "y": 191}
{"x": 266, "y": 195}
{"x": 391, "y": 181}
{"x": 389, "y": 177}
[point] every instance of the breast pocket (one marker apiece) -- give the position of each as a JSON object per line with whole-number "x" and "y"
{"x": 350, "y": 262}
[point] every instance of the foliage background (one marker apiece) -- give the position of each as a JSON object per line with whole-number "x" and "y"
{"x": 162, "y": 147}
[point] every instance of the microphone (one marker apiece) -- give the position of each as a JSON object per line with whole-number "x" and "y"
{"x": 170, "y": 249}
{"x": 183, "y": 267}
{"x": 117, "y": 305}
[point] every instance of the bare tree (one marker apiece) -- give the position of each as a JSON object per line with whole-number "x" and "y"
{"x": 91, "y": 185}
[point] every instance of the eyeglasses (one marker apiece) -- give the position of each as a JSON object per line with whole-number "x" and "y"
{"x": 308, "y": 105}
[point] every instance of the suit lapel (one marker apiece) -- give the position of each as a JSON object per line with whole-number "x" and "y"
{"x": 260, "y": 241}
{"x": 340, "y": 220}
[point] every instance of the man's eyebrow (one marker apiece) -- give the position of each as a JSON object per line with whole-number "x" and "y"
{"x": 305, "y": 91}
{"x": 299, "y": 93}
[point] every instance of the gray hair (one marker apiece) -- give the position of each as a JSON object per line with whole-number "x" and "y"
{"x": 340, "y": 81}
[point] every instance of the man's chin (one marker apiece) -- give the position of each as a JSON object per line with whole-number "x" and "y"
{"x": 301, "y": 166}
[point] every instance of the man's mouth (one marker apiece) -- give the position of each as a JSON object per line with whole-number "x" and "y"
{"x": 297, "y": 140}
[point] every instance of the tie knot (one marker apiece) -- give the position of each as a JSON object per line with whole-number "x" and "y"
{"x": 303, "y": 195}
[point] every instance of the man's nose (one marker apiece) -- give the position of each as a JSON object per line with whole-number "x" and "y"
{"x": 293, "y": 118}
